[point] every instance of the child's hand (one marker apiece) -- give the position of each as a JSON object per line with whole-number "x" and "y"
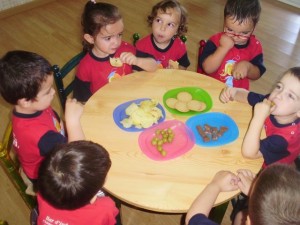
{"x": 128, "y": 58}
{"x": 262, "y": 110}
{"x": 246, "y": 178}
{"x": 226, "y": 42}
{"x": 240, "y": 70}
{"x": 73, "y": 111}
{"x": 227, "y": 94}
{"x": 225, "y": 181}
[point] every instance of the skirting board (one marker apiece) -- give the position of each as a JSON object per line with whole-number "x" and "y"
{"x": 23, "y": 7}
{"x": 295, "y": 3}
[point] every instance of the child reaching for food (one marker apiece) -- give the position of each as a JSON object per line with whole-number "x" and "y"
{"x": 277, "y": 112}
{"x": 108, "y": 57}
{"x": 168, "y": 21}
{"x": 235, "y": 56}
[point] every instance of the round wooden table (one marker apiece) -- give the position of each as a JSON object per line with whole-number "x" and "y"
{"x": 162, "y": 186}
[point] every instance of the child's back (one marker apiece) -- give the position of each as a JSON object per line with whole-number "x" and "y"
{"x": 69, "y": 179}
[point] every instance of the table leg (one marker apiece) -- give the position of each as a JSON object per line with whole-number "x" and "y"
{"x": 217, "y": 213}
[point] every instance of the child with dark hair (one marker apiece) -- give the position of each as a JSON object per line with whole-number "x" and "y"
{"x": 168, "y": 20}
{"x": 235, "y": 56}
{"x": 26, "y": 82}
{"x": 69, "y": 179}
{"x": 108, "y": 57}
{"x": 274, "y": 196}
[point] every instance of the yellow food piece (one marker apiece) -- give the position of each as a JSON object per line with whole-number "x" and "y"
{"x": 143, "y": 115}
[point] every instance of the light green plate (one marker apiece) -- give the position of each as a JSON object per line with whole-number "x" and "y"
{"x": 197, "y": 94}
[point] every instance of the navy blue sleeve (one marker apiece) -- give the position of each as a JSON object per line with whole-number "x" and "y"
{"x": 184, "y": 61}
{"x": 273, "y": 148}
{"x": 259, "y": 62}
{"x": 141, "y": 55}
{"x": 49, "y": 140}
{"x": 82, "y": 91}
{"x": 201, "y": 219}
{"x": 254, "y": 98}
{"x": 208, "y": 49}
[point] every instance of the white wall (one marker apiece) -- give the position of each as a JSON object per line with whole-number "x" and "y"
{"x": 6, "y": 4}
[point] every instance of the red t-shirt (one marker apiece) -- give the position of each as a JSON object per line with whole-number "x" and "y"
{"x": 102, "y": 212}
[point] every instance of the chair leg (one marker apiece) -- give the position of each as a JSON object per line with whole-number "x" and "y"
{"x": 217, "y": 213}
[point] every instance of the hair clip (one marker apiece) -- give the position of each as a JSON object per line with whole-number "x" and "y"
{"x": 93, "y": 1}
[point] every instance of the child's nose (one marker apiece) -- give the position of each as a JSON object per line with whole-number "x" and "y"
{"x": 163, "y": 27}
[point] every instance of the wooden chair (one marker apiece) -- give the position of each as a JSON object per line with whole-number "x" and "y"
{"x": 65, "y": 71}
{"x": 202, "y": 44}
{"x": 11, "y": 166}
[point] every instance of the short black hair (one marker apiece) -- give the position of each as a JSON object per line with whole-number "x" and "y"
{"x": 22, "y": 74}
{"x": 242, "y": 10}
{"x": 72, "y": 174}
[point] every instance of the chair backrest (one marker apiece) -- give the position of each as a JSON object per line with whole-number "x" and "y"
{"x": 10, "y": 164}
{"x": 66, "y": 71}
{"x": 202, "y": 44}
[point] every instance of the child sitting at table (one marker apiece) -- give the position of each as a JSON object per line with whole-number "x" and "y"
{"x": 70, "y": 179}
{"x": 235, "y": 56}
{"x": 168, "y": 20}
{"x": 108, "y": 57}
{"x": 27, "y": 83}
{"x": 274, "y": 196}
{"x": 277, "y": 112}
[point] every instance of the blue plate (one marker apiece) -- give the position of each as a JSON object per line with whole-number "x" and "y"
{"x": 214, "y": 119}
{"x": 119, "y": 114}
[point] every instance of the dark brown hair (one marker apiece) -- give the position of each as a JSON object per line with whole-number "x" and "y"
{"x": 72, "y": 174}
{"x": 95, "y": 16}
{"x": 22, "y": 74}
{"x": 242, "y": 10}
{"x": 170, "y": 4}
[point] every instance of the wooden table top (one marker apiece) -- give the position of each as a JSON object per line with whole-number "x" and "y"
{"x": 162, "y": 186}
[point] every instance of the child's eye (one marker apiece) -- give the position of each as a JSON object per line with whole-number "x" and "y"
{"x": 120, "y": 35}
{"x": 291, "y": 96}
{"x": 278, "y": 86}
{"x": 171, "y": 24}
{"x": 158, "y": 20}
{"x": 107, "y": 38}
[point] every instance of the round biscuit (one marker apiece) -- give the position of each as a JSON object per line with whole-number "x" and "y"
{"x": 181, "y": 106}
{"x": 184, "y": 96}
{"x": 170, "y": 102}
{"x": 196, "y": 105}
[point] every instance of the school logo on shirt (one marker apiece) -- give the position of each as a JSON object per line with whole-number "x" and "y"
{"x": 113, "y": 75}
{"x": 227, "y": 72}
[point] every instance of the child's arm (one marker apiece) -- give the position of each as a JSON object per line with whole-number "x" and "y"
{"x": 73, "y": 112}
{"x": 244, "y": 69}
{"x": 147, "y": 64}
{"x": 214, "y": 61}
{"x": 222, "y": 181}
{"x": 234, "y": 94}
{"x": 251, "y": 143}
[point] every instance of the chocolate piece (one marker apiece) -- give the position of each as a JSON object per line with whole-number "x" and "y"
{"x": 202, "y": 133}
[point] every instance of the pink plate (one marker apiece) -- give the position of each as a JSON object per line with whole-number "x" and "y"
{"x": 183, "y": 141}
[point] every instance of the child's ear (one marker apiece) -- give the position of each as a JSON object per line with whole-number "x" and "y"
{"x": 24, "y": 103}
{"x": 88, "y": 38}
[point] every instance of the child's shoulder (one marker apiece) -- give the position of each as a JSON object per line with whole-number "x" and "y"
{"x": 126, "y": 47}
